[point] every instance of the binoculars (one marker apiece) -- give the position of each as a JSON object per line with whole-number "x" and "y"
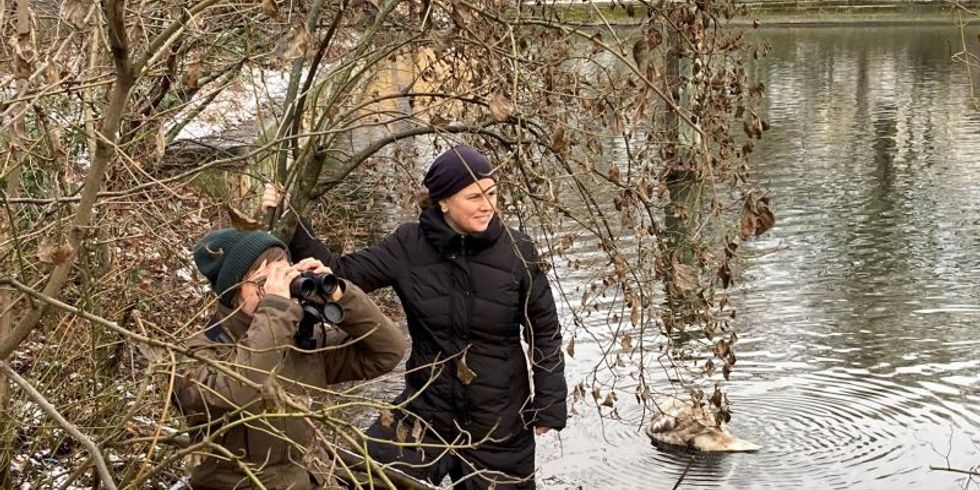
{"x": 314, "y": 292}
{"x": 312, "y": 286}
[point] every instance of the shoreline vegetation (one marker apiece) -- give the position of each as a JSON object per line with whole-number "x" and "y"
{"x": 785, "y": 13}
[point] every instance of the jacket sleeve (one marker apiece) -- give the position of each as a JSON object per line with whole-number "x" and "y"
{"x": 375, "y": 343}
{"x": 204, "y": 389}
{"x": 370, "y": 268}
{"x": 542, "y": 331}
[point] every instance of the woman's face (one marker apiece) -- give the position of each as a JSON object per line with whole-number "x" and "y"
{"x": 471, "y": 209}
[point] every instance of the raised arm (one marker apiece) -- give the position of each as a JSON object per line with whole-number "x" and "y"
{"x": 370, "y": 268}
{"x": 205, "y": 389}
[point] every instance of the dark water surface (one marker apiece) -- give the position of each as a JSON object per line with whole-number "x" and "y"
{"x": 859, "y": 358}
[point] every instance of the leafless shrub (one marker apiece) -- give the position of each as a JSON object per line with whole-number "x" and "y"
{"x": 632, "y": 142}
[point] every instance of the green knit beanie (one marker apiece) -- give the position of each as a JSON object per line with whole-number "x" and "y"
{"x": 225, "y": 256}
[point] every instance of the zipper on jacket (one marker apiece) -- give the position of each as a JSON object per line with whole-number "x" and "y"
{"x": 466, "y": 317}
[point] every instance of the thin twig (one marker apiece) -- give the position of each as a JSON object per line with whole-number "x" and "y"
{"x": 65, "y": 424}
{"x": 970, "y": 472}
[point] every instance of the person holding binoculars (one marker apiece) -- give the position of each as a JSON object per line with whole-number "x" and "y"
{"x": 264, "y": 329}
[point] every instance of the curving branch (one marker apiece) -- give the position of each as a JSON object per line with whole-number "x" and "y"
{"x": 52, "y": 412}
{"x": 358, "y": 158}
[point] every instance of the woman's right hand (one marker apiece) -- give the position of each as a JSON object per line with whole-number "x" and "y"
{"x": 280, "y": 275}
{"x": 271, "y": 196}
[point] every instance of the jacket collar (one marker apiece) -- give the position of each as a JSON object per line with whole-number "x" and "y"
{"x": 231, "y": 320}
{"x": 448, "y": 241}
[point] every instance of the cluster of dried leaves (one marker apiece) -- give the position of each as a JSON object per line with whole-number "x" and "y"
{"x": 636, "y": 170}
{"x": 624, "y": 148}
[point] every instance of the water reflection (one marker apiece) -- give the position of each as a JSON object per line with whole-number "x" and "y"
{"x": 859, "y": 358}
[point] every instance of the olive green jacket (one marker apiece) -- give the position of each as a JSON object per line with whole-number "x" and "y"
{"x": 253, "y": 425}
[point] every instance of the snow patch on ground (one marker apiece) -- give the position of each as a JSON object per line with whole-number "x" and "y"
{"x": 57, "y": 474}
{"x": 236, "y": 105}
{"x": 30, "y": 413}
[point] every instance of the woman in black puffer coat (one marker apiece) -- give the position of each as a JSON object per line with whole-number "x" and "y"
{"x": 470, "y": 288}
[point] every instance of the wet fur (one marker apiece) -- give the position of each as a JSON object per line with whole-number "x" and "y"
{"x": 680, "y": 423}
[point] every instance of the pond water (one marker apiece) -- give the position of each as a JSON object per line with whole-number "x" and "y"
{"x": 859, "y": 313}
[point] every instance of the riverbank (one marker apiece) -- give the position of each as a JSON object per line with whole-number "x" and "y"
{"x": 792, "y": 13}
{"x": 787, "y": 13}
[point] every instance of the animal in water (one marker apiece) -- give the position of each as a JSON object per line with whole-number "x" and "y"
{"x": 682, "y": 423}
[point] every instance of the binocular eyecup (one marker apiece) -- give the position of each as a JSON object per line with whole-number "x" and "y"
{"x": 310, "y": 286}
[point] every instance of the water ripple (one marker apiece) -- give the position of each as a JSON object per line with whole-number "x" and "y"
{"x": 858, "y": 359}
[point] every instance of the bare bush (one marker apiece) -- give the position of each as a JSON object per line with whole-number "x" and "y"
{"x": 630, "y": 141}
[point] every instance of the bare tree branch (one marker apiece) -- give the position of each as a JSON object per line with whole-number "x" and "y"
{"x": 42, "y": 402}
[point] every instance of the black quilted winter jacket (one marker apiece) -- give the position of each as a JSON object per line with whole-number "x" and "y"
{"x": 469, "y": 295}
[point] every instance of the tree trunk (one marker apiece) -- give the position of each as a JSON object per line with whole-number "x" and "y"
{"x": 681, "y": 210}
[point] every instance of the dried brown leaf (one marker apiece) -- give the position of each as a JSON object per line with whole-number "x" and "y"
{"x": 748, "y": 224}
{"x": 18, "y": 133}
{"x": 626, "y": 342}
{"x": 463, "y": 372}
{"x": 756, "y": 217}
{"x": 685, "y": 277}
{"x": 386, "y": 418}
{"x": 54, "y": 254}
{"x": 500, "y": 106}
{"x": 764, "y": 221}
{"x": 655, "y": 38}
{"x": 401, "y": 432}
{"x": 614, "y": 174}
{"x": 271, "y": 9}
{"x": 641, "y": 51}
{"x": 417, "y": 430}
{"x": 725, "y": 274}
{"x": 24, "y": 58}
{"x": 558, "y": 142}
{"x": 437, "y": 121}
{"x": 160, "y": 143}
{"x": 51, "y": 73}
{"x": 610, "y": 399}
{"x": 616, "y": 122}
{"x": 571, "y": 348}
{"x": 298, "y": 45}
{"x": 242, "y": 222}
{"x": 461, "y": 15}
{"x": 192, "y": 74}
{"x": 716, "y": 398}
